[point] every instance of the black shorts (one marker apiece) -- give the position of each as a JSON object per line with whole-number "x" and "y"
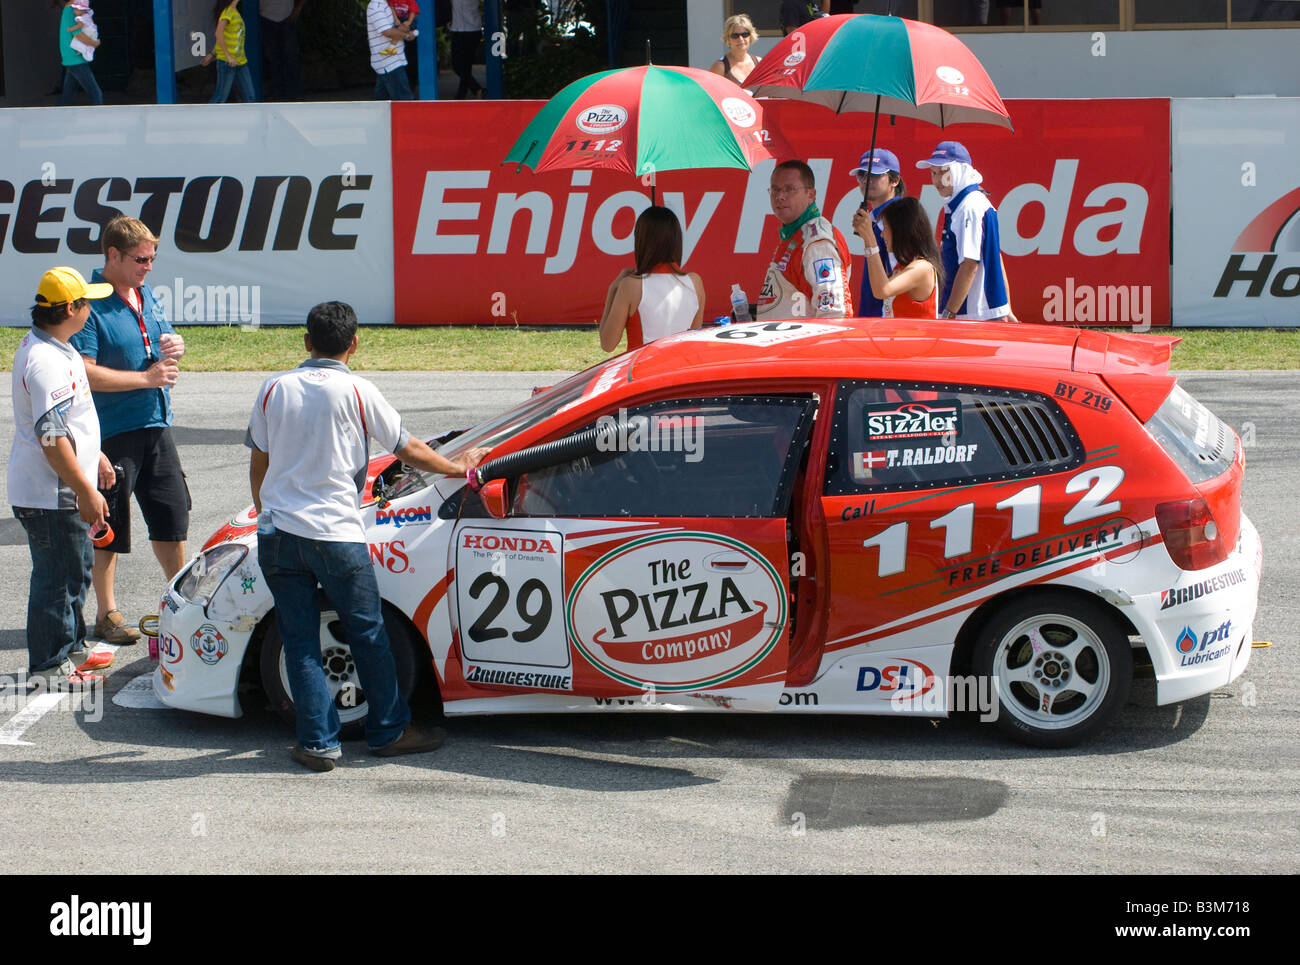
{"x": 151, "y": 469}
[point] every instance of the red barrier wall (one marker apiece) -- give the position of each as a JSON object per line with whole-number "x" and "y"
{"x": 1082, "y": 188}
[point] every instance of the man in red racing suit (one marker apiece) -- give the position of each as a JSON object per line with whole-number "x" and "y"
{"x": 809, "y": 273}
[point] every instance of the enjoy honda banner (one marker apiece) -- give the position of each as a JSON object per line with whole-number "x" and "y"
{"x": 261, "y": 210}
{"x": 1236, "y": 211}
{"x": 1082, "y": 188}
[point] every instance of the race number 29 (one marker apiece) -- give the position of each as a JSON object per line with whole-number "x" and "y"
{"x": 507, "y": 585}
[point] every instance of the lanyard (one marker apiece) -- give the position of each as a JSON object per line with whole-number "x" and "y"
{"x": 139, "y": 318}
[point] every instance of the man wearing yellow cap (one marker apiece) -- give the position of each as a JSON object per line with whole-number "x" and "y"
{"x": 54, "y": 465}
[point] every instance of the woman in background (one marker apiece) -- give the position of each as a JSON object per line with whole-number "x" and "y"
{"x": 656, "y": 298}
{"x": 737, "y": 33}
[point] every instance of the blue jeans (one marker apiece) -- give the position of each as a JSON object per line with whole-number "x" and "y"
{"x": 80, "y": 75}
{"x": 293, "y": 565}
{"x": 393, "y": 86}
{"x": 228, "y": 76}
{"x": 61, "y": 559}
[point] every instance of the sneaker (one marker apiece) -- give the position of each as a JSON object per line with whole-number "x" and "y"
{"x": 315, "y": 760}
{"x": 95, "y": 660}
{"x": 412, "y": 741}
{"x": 114, "y": 629}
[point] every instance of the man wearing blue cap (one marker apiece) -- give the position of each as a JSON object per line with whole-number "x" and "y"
{"x": 881, "y": 182}
{"x": 974, "y": 283}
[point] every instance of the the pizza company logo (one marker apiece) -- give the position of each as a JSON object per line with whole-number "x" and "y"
{"x": 739, "y": 111}
{"x": 209, "y": 644}
{"x": 913, "y": 420}
{"x": 409, "y": 516}
{"x": 601, "y": 119}
{"x": 1274, "y": 234}
{"x": 950, "y": 75}
{"x": 681, "y": 611}
{"x": 795, "y": 59}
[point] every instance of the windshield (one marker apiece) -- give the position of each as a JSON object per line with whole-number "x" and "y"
{"x": 528, "y": 414}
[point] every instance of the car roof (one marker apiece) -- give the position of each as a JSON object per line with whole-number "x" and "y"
{"x": 841, "y": 344}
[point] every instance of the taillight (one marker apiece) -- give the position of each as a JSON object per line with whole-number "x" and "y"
{"x": 1190, "y": 533}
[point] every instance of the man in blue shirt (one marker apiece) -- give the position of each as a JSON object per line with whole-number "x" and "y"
{"x": 131, "y": 355}
{"x": 881, "y": 182}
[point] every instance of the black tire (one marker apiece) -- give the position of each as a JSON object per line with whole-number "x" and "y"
{"x": 340, "y": 671}
{"x": 1060, "y": 668}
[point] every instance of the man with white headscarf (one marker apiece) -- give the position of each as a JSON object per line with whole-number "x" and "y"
{"x": 974, "y": 283}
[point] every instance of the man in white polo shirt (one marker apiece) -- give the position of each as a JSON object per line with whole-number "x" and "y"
{"x": 308, "y": 434}
{"x": 387, "y": 52}
{"x": 53, "y": 469}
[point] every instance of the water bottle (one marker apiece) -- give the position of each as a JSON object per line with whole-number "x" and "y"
{"x": 740, "y": 304}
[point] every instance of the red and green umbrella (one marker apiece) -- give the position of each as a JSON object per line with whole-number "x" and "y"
{"x": 643, "y": 120}
{"x": 864, "y": 62}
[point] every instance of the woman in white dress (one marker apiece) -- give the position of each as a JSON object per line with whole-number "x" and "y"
{"x": 656, "y": 298}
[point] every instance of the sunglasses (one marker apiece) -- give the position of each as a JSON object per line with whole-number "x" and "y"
{"x": 144, "y": 259}
{"x": 739, "y": 36}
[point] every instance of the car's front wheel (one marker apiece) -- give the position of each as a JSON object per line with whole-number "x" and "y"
{"x": 340, "y": 671}
{"x": 1060, "y": 668}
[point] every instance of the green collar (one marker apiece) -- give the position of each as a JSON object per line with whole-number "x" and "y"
{"x": 788, "y": 230}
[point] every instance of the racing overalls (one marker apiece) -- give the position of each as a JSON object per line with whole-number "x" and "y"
{"x": 809, "y": 273}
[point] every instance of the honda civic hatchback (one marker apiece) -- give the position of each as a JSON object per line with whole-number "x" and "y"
{"x": 849, "y": 517}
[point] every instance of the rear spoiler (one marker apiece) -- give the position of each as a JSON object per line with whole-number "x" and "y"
{"x": 1136, "y": 367}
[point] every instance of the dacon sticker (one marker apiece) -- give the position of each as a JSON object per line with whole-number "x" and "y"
{"x": 677, "y": 612}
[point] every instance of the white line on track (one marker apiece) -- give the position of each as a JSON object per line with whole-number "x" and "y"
{"x": 139, "y": 695}
{"x": 35, "y": 709}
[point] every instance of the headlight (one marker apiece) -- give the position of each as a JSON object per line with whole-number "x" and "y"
{"x": 209, "y": 571}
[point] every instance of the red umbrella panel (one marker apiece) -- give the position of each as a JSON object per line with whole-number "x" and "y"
{"x": 888, "y": 65}
{"x": 643, "y": 120}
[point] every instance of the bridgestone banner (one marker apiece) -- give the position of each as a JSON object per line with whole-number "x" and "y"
{"x": 1236, "y": 211}
{"x": 262, "y": 210}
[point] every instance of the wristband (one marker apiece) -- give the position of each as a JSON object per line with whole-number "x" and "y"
{"x": 872, "y": 251}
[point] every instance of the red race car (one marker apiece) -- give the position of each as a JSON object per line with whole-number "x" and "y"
{"x": 835, "y": 517}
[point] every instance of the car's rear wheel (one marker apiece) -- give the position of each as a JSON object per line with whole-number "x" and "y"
{"x": 340, "y": 671}
{"x": 1060, "y": 668}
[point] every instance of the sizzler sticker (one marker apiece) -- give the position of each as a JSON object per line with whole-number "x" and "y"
{"x": 679, "y": 611}
{"x": 912, "y": 420}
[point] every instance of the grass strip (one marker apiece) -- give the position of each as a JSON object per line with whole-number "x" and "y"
{"x": 509, "y": 349}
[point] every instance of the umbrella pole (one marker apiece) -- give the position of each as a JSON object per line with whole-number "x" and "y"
{"x": 871, "y": 151}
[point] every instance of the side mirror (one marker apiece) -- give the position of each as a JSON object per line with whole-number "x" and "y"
{"x": 493, "y": 495}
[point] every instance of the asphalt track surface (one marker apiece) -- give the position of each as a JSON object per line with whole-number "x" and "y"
{"x": 1206, "y": 786}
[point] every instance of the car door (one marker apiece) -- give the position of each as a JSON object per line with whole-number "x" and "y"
{"x": 933, "y": 497}
{"x": 650, "y": 568}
